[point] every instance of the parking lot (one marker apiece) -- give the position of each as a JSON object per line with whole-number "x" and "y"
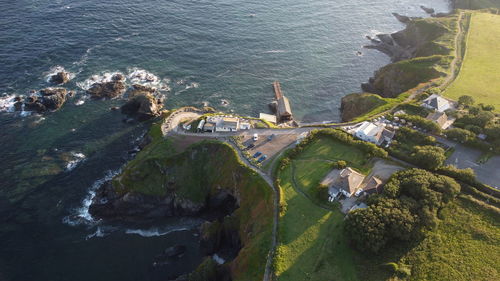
{"x": 268, "y": 146}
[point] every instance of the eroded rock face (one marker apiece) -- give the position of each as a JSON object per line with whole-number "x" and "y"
{"x": 111, "y": 89}
{"x": 60, "y": 78}
{"x": 142, "y": 105}
{"x": 108, "y": 204}
{"x": 49, "y": 99}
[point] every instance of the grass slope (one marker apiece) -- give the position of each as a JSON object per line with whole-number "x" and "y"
{"x": 479, "y": 76}
{"x": 312, "y": 242}
{"x": 465, "y": 246}
{"x": 313, "y": 245}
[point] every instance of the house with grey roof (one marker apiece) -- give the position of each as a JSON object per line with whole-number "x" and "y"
{"x": 438, "y": 103}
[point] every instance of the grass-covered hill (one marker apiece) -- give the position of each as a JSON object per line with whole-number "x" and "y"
{"x": 431, "y": 44}
{"x": 192, "y": 176}
{"x": 480, "y": 72}
{"x": 462, "y": 245}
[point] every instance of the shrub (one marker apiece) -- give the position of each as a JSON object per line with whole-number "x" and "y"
{"x": 421, "y": 122}
{"x": 428, "y": 157}
{"x": 466, "y": 100}
{"x": 460, "y": 135}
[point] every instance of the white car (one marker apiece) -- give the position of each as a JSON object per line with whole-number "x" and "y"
{"x": 255, "y": 137}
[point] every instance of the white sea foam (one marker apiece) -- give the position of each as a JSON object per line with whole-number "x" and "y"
{"x": 218, "y": 259}
{"x": 143, "y": 77}
{"x": 56, "y": 69}
{"x": 154, "y": 231}
{"x": 274, "y": 51}
{"x": 97, "y": 78}
{"x": 7, "y": 103}
{"x": 77, "y": 159}
{"x": 81, "y": 215}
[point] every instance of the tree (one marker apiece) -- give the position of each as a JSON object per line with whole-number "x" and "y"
{"x": 460, "y": 135}
{"x": 428, "y": 156}
{"x": 466, "y": 100}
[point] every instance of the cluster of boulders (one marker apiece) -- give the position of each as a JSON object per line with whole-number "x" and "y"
{"x": 62, "y": 77}
{"x": 142, "y": 103}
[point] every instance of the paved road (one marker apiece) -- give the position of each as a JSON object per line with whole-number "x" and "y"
{"x": 466, "y": 157}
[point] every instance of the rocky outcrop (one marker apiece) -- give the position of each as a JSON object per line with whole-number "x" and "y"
{"x": 401, "y": 18}
{"x": 108, "y": 204}
{"x": 48, "y": 99}
{"x": 356, "y": 104}
{"x": 142, "y": 105}
{"x": 430, "y": 11}
{"x": 111, "y": 89}
{"x": 60, "y": 78}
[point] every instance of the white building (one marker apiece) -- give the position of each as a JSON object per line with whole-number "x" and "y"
{"x": 376, "y": 133}
{"x": 245, "y": 126}
{"x": 227, "y": 124}
{"x": 438, "y": 103}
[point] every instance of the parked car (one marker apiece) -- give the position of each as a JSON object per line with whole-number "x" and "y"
{"x": 257, "y": 154}
{"x": 271, "y": 137}
{"x": 255, "y": 137}
{"x": 250, "y": 146}
{"x": 262, "y": 158}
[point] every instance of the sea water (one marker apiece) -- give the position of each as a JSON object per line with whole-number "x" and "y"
{"x": 194, "y": 52}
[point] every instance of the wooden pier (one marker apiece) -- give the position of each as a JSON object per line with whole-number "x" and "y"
{"x": 277, "y": 90}
{"x": 283, "y": 110}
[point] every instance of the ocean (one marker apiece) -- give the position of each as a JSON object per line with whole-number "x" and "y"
{"x": 195, "y": 52}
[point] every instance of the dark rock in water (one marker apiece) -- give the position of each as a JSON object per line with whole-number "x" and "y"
{"x": 50, "y": 99}
{"x": 59, "y": 78}
{"x": 18, "y": 98}
{"x": 118, "y": 77}
{"x": 108, "y": 204}
{"x": 53, "y": 98}
{"x": 142, "y": 106}
{"x": 401, "y": 18}
{"x": 18, "y": 106}
{"x": 386, "y": 39}
{"x": 175, "y": 251}
{"x": 109, "y": 90}
{"x": 71, "y": 93}
{"x": 138, "y": 89}
{"x": 430, "y": 11}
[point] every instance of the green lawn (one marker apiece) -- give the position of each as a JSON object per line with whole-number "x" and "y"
{"x": 325, "y": 148}
{"x": 312, "y": 242}
{"x": 312, "y": 245}
{"x": 479, "y": 76}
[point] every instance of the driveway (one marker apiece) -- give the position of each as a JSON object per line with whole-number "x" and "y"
{"x": 466, "y": 157}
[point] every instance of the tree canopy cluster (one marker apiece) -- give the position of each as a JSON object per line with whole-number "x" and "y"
{"x": 408, "y": 205}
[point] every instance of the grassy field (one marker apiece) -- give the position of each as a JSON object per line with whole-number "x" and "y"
{"x": 325, "y": 148}
{"x": 313, "y": 245}
{"x": 465, "y": 246}
{"x": 479, "y": 76}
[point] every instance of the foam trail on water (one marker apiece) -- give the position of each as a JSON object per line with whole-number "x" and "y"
{"x": 81, "y": 216}
{"x": 78, "y": 158}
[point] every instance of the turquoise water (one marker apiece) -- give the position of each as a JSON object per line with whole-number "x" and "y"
{"x": 204, "y": 51}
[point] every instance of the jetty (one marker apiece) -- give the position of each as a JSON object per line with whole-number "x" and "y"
{"x": 283, "y": 109}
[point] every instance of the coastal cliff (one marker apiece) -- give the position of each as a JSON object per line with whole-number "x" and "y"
{"x": 205, "y": 180}
{"x": 420, "y": 53}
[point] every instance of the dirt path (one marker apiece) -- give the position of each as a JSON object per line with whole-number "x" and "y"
{"x": 458, "y": 49}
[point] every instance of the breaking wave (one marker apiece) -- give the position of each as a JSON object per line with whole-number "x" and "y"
{"x": 81, "y": 215}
